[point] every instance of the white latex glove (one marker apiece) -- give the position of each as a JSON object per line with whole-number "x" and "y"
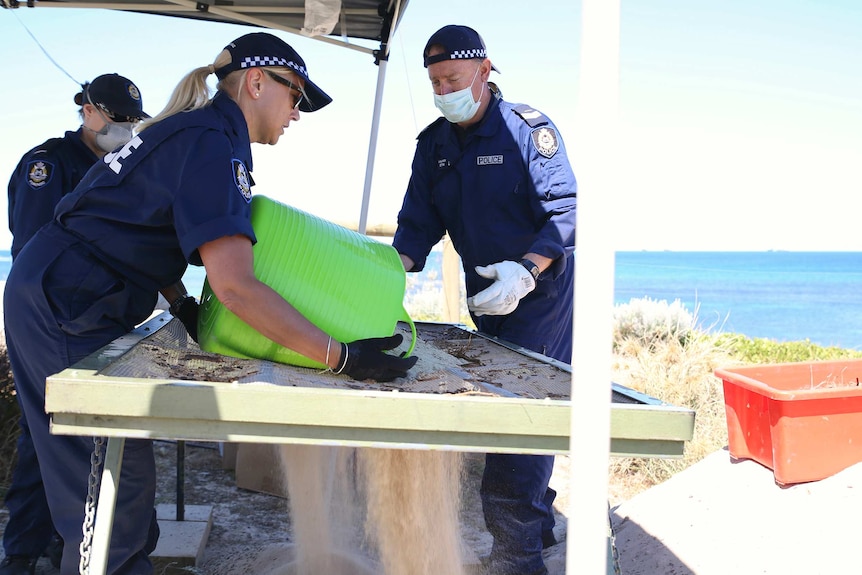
{"x": 513, "y": 282}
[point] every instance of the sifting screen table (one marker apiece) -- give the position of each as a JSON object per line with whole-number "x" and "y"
{"x": 468, "y": 392}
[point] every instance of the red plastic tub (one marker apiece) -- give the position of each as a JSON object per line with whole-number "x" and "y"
{"x": 802, "y": 420}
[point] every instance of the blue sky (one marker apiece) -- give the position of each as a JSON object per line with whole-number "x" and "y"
{"x": 741, "y": 122}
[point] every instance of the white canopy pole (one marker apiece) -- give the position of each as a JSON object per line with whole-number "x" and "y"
{"x": 372, "y": 146}
{"x": 598, "y": 112}
{"x": 382, "y": 60}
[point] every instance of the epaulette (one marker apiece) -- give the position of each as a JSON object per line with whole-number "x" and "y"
{"x": 534, "y": 118}
{"x": 431, "y": 125}
{"x": 46, "y": 147}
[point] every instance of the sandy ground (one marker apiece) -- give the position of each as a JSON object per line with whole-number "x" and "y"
{"x": 720, "y": 517}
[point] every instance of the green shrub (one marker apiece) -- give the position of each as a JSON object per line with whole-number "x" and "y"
{"x": 762, "y": 350}
{"x": 677, "y": 368}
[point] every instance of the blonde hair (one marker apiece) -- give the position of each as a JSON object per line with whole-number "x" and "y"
{"x": 193, "y": 93}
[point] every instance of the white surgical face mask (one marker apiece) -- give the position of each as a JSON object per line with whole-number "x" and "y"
{"x": 458, "y": 106}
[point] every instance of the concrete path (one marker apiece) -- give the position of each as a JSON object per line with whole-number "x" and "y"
{"x": 719, "y": 518}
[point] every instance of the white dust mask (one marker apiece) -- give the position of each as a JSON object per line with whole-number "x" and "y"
{"x": 113, "y": 136}
{"x": 458, "y": 106}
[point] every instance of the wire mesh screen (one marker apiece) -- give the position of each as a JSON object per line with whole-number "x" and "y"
{"x": 451, "y": 360}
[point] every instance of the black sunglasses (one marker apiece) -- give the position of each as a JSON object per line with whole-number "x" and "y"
{"x": 289, "y": 84}
{"x": 117, "y": 118}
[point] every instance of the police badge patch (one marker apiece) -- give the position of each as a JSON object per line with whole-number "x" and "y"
{"x": 133, "y": 92}
{"x": 545, "y": 141}
{"x": 240, "y": 177}
{"x": 39, "y": 173}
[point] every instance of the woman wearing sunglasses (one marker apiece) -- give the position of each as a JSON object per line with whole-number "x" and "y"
{"x": 177, "y": 193}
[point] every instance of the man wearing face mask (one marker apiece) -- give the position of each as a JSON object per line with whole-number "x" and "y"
{"x": 496, "y": 177}
{"x": 110, "y": 106}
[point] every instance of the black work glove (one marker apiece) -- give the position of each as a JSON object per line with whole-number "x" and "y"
{"x": 365, "y": 359}
{"x": 186, "y": 310}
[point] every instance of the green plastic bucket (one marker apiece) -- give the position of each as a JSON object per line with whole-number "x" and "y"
{"x": 347, "y": 284}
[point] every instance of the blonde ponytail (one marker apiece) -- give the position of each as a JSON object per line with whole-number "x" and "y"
{"x": 192, "y": 92}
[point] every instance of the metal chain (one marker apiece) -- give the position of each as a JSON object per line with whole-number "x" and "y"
{"x": 90, "y": 506}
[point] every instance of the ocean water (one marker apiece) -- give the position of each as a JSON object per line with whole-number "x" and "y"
{"x": 785, "y": 296}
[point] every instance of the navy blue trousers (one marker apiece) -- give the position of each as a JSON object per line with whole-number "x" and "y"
{"x": 29, "y": 528}
{"x": 516, "y": 500}
{"x": 47, "y": 295}
{"x": 518, "y": 508}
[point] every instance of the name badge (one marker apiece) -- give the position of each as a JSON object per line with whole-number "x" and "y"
{"x": 489, "y": 160}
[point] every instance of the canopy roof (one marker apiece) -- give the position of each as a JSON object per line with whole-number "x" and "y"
{"x": 333, "y": 21}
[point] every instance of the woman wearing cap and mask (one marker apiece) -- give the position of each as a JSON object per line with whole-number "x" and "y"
{"x": 94, "y": 272}
{"x": 110, "y": 106}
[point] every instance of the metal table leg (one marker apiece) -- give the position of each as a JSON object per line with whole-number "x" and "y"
{"x": 106, "y": 505}
{"x": 181, "y": 478}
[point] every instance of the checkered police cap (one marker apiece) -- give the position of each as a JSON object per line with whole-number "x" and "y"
{"x": 458, "y": 43}
{"x": 260, "y": 49}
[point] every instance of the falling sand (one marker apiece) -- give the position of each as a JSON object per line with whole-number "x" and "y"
{"x": 413, "y": 504}
{"x": 370, "y": 512}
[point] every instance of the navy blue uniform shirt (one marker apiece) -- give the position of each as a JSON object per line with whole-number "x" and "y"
{"x": 43, "y": 176}
{"x": 502, "y": 188}
{"x": 146, "y": 208}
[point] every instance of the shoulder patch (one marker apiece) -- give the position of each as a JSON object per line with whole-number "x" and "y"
{"x": 534, "y": 118}
{"x": 39, "y": 173}
{"x": 241, "y": 179}
{"x": 546, "y": 141}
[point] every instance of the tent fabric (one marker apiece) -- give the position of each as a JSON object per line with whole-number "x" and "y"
{"x": 336, "y": 20}
{"x": 321, "y": 17}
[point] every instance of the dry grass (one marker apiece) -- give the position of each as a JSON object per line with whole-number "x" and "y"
{"x": 680, "y": 374}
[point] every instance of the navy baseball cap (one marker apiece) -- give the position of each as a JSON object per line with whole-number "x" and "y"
{"x": 260, "y": 49}
{"x": 458, "y": 43}
{"x": 116, "y": 96}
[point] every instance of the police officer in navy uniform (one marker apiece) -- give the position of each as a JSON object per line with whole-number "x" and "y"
{"x": 110, "y": 106}
{"x": 495, "y": 176}
{"x": 178, "y": 192}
